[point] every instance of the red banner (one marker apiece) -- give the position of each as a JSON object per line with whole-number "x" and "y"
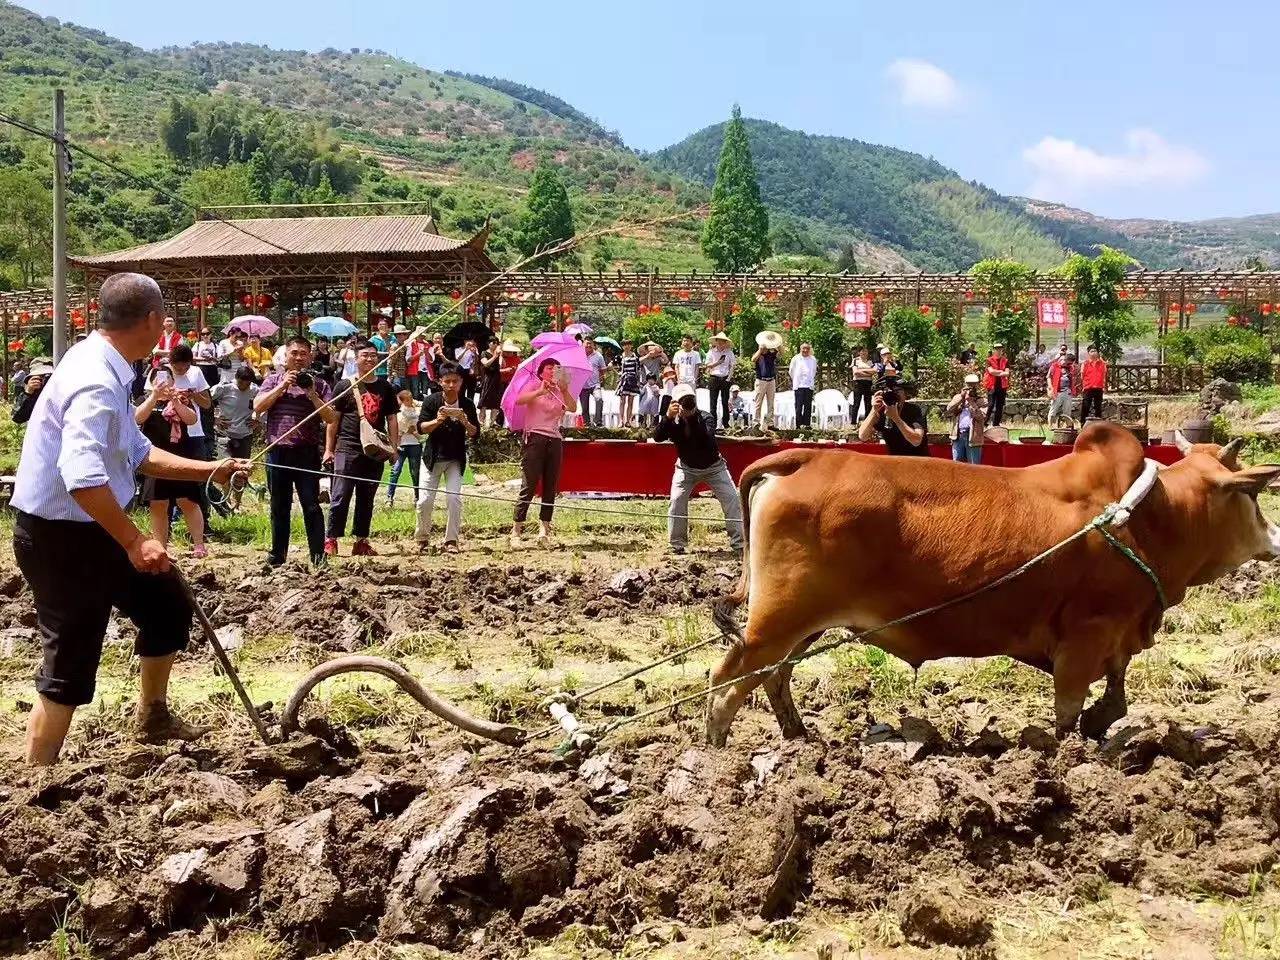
{"x": 856, "y": 311}
{"x": 1052, "y": 312}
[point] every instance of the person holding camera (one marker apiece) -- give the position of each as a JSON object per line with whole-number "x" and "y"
{"x": 547, "y": 400}
{"x": 967, "y": 413}
{"x": 32, "y": 384}
{"x": 448, "y": 419}
{"x": 699, "y": 461}
{"x": 765, "y": 362}
{"x": 357, "y": 469}
{"x": 284, "y": 401}
{"x": 900, "y": 424}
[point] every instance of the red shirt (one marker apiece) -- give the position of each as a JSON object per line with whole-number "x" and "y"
{"x": 508, "y": 366}
{"x": 999, "y": 363}
{"x": 166, "y": 343}
{"x": 1055, "y": 378}
{"x": 413, "y": 362}
{"x": 1095, "y": 374}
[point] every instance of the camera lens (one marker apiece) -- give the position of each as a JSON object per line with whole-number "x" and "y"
{"x": 305, "y": 380}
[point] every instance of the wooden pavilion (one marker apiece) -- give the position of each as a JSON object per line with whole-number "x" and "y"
{"x": 291, "y": 267}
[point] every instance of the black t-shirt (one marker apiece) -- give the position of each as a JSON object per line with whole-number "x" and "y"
{"x": 349, "y": 411}
{"x": 968, "y": 356}
{"x": 912, "y": 416}
{"x": 694, "y": 438}
{"x": 449, "y": 440}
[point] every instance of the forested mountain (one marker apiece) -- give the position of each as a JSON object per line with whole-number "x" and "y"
{"x": 234, "y": 123}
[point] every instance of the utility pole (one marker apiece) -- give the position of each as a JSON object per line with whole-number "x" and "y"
{"x": 59, "y": 226}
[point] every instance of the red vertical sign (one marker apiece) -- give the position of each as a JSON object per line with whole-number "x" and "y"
{"x": 1052, "y": 312}
{"x": 856, "y": 311}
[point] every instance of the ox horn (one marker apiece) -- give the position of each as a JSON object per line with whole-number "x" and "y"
{"x": 1183, "y": 444}
{"x": 1227, "y": 455}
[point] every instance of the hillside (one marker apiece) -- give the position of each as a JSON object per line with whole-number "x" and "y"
{"x": 1220, "y": 243}
{"x": 907, "y": 202}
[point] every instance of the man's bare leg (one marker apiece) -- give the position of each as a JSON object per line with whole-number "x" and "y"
{"x": 155, "y": 722}
{"x": 46, "y": 730}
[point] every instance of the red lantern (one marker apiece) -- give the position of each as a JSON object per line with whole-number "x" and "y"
{"x": 722, "y": 295}
{"x": 643, "y": 309}
{"x": 736, "y": 309}
{"x": 195, "y": 303}
{"x": 17, "y": 346}
{"x": 720, "y": 325}
{"x": 786, "y": 324}
{"x": 471, "y": 309}
{"x": 455, "y": 294}
{"x": 246, "y": 300}
{"x": 937, "y": 324}
{"x": 1266, "y": 309}
{"x": 24, "y": 316}
{"x": 566, "y": 309}
{"x": 551, "y": 309}
{"x": 48, "y": 312}
{"x": 968, "y": 294}
{"x": 710, "y": 325}
{"x": 1123, "y": 294}
{"x": 1191, "y": 308}
{"x": 621, "y": 294}
{"x": 926, "y": 309}
{"x": 684, "y": 294}
{"x": 79, "y": 322}
{"x": 656, "y": 308}
{"x": 346, "y": 296}
{"x": 93, "y": 306}
{"x": 1223, "y": 293}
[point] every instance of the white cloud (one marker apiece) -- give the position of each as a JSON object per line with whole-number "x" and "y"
{"x": 923, "y": 84}
{"x": 1066, "y": 169}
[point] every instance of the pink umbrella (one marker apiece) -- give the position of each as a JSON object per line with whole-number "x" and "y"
{"x": 548, "y": 337}
{"x": 578, "y": 328}
{"x": 254, "y": 325}
{"x": 573, "y": 361}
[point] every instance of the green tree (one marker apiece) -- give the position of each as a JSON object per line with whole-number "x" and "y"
{"x": 911, "y": 334}
{"x": 603, "y": 255}
{"x": 847, "y": 262}
{"x": 1105, "y": 319}
{"x": 177, "y": 124}
{"x": 323, "y": 191}
{"x": 219, "y": 186}
{"x": 547, "y": 219}
{"x": 26, "y": 224}
{"x": 1006, "y": 285}
{"x": 260, "y": 175}
{"x": 736, "y": 235}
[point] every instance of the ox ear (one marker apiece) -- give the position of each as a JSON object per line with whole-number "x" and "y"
{"x": 1227, "y": 455}
{"x": 1182, "y": 443}
{"x": 1251, "y": 480}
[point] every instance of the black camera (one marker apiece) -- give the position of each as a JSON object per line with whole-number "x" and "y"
{"x": 689, "y": 402}
{"x": 305, "y": 380}
{"x": 888, "y": 388}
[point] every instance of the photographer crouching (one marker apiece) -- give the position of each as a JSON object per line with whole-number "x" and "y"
{"x": 899, "y": 423}
{"x": 698, "y": 461}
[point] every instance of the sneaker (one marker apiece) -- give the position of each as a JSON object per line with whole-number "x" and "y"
{"x": 363, "y": 548}
{"x": 200, "y": 552}
{"x": 156, "y": 723}
{"x": 331, "y": 547}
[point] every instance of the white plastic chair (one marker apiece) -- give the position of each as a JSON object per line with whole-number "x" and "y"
{"x": 704, "y": 398}
{"x": 785, "y": 410}
{"x": 830, "y": 408}
{"x": 610, "y": 409}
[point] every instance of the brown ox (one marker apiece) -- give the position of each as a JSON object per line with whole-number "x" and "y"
{"x": 840, "y": 539}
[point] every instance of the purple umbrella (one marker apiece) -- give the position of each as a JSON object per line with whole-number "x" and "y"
{"x": 573, "y": 361}
{"x": 578, "y": 328}
{"x": 254, "y": 326}
{"x": 549, "y": 337}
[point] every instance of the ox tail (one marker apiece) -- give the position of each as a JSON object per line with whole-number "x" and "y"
{"x": 723, "y": 610}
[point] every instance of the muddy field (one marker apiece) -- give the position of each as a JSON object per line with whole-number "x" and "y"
{"x": 928, "y": 816}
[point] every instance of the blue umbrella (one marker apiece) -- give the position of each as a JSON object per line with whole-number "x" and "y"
{"x": 332, "y": 327}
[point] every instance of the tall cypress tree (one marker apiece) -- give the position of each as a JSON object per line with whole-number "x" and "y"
{"x": 736, "y": 235}
{"x": 547, "y": 218}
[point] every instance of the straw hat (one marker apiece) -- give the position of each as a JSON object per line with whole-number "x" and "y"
{"x": 510, "y": 346}
{"x": 884, "y": 350}
{"x": 971, "y": 378}
{"x": 723, "y": 336}
{"x": 400, "y": 328}
{"x": 647, "y": 344}
{"x": 769, "y": 340}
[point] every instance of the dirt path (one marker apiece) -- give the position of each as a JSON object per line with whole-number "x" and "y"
{"x": 927, "y": 817}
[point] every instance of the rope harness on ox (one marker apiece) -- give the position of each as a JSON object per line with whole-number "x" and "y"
{"x": 578, "y": 735}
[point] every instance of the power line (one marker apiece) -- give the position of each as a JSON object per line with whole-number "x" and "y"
{"x": 141, "y": 181}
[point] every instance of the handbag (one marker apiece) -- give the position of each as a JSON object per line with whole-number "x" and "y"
{"x": 373, "y": 442}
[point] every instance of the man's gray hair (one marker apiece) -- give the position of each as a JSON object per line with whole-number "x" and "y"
{"x": 126, "y": 299}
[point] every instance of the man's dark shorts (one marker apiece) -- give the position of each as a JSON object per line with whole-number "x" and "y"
{"x": 77, "y": 573}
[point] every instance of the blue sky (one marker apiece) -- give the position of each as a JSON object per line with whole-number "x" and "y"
{"x": 1125, "y": 109}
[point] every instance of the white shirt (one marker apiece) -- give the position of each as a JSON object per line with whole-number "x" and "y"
{"x": 280, "y": 356}
{"x": 804, "y": 370}
{"x": 81, "y": 434}
{"x": 686, "y": 363}
{"x": 194, "y": 381}
{"x": 720, "y": 362}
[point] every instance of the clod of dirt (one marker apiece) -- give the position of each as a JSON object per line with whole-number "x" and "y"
{"x": 947, "y": 913}
{"x": 629, "y": 584}
{"x": 17, "y": 641}
{"x": 296, "y": 761}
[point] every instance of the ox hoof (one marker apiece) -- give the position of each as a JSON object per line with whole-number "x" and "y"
{"x": 1097, "y": 720}
{"x": 795, "y": 731}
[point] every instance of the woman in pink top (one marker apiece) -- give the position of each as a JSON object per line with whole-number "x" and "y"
{"x": 547, "y": 400}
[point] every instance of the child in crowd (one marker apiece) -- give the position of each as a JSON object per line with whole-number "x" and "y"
{"x": 650, "y": 398}
{"x": 738, "y": 416}
{"x": 410, "y": 450}
{"x": 668, "y": 385}
{"x": 628, "y": 382}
